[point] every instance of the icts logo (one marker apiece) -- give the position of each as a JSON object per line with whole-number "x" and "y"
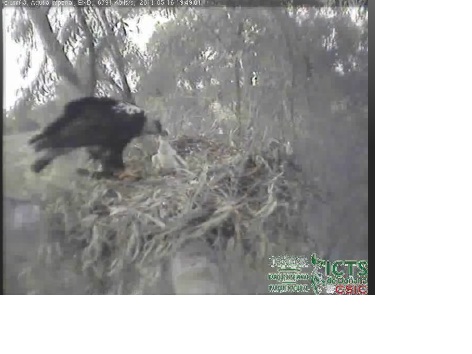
{"x": 347, "y": 277}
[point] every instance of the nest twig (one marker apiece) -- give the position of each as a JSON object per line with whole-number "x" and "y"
{"x": 231, "y": 198}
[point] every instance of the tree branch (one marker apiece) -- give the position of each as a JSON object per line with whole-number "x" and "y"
{"x": 54, "y": 48}
{"x": 117, "y": 57}
{"x": 91, "y": 83}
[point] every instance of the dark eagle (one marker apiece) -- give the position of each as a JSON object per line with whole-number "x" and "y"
{"x": 103, "y": 125}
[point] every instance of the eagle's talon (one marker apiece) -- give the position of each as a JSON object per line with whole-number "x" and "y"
{"x": 128, "y": 175}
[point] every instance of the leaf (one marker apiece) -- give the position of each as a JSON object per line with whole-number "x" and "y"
{"x": 118, "y": 210}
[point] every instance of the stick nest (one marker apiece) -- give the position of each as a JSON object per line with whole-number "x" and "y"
{"x": 236, "y": 200}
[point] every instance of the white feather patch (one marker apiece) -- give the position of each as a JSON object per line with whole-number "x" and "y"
{"x": 127, "y": 107}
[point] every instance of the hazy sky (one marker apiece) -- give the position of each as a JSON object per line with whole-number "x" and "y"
{"x": 14, "y": 54}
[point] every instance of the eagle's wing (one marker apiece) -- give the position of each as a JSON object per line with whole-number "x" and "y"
{"x": 72, "y": 111}
{"x": 87, "y": 129}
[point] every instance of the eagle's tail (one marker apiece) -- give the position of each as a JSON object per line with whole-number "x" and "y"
{"x": 41, "y": 163}
{"x": 35, "y": 138}
{"x": 44, "y": 139}
{"x": 38, "y": 142}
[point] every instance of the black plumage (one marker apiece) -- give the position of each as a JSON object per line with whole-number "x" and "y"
{"x": 103, "y": 125}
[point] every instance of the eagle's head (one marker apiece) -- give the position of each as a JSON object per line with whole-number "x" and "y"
{"x": 151, "y": 126}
